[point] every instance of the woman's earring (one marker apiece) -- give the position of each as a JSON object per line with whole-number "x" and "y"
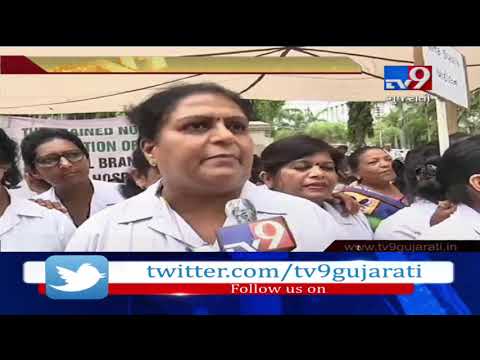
{"x": 152, "y": 161}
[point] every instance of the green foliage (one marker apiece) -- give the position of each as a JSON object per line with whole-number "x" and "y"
{"x": 335, "y": 133}
{"x": 267, "y": 110}
{"x": 360, "y": 122}
{"x": 469, "y": 120}
{"x": 283, "y": 133}
{"x": 407, "y": 126}
{"x": 417, "y": 123}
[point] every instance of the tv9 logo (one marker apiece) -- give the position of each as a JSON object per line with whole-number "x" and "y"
{"x": 408, "y": 78}
{"x": 272, "y": 235}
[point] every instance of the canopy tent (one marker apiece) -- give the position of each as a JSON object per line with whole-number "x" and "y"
{"x": 62, "y": 93}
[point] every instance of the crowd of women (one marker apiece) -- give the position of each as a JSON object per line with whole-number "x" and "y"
{"x": 195, "y": 154}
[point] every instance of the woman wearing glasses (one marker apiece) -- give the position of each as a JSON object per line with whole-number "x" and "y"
{"x": 62, "y": 160}
{"x": 24, "y": 225}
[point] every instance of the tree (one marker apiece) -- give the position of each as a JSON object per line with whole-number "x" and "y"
{"x": 415, "y": 129}
{"x": 288, "y": 122}
{"x": 294, "y": 119}
{"x": 360, "y": 122}
{"x": 469, "y": 119}
{"x": 267, "y": 110}
{"x": 335, "y": 133}
{"x": 386, "y": 132}
{"x": 283, "y": 133}
{"x": 407, "y": 125}
{"x": 429, "y": 111}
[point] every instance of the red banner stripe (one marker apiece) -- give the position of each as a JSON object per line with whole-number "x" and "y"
{"x": 256, "y": 289}
{"x": 19, "y": 65}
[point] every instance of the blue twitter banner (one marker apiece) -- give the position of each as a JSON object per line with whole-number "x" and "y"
{"x": 78, "y": 285}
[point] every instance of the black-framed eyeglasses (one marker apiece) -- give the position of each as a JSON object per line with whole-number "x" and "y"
{"x": 54, "y": 159}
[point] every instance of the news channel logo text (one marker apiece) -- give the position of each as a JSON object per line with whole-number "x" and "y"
{"x": 408, "y": 78}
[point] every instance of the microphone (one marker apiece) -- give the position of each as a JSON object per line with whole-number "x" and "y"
{"x": 251, "y": 234}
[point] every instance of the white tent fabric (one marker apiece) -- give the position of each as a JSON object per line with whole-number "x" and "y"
{"x": 61, "y": 93}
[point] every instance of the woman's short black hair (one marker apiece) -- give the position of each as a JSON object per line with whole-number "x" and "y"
{"x": 152, "y": 114}
{"x": 9, "y": 156}
{"x": 459, "y": 162}
{"x": 257, "y": 168}
{"x": 140, "y": 163}
{"x": 39, "y": 137}
{"x": 399, "y": 169}
{"x": 281, "y": 152}
{"x": 354, "y": 158}
{"x": 421, "y": 166}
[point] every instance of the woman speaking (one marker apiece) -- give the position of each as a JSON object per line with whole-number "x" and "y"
{"x": 197, "y": 135}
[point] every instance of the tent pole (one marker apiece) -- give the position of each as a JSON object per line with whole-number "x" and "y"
{"x": 446, "y": 121}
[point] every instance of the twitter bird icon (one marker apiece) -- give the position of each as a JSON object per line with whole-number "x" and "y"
{"x": 76, "y": 277}
{"x": 84, "y": 278}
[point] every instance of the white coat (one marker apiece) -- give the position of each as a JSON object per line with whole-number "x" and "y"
{"x": 26, "y": 226}
{"x": 407, "y": 223}
{"x": 104, "y": 194}
{"x": 23, "y": 191}
{"x": 463, "y": 224}
{"x": 354, "y": 227}
{"x": 147, "y": 223}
